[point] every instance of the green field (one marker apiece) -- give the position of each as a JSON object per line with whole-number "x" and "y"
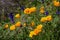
{"x": 44, "y": 12}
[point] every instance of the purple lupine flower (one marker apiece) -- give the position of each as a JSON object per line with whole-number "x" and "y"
{"x": 22, "y": 7}
{"x": 46, "y": 13}
{"x": 57, "y": 12}
{"x": 42, "y": 1}
{"x": 11, "y": 17}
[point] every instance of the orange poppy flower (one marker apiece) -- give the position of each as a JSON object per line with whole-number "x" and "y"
{"x": 12, "y": 27}
{"x": 18, "y": 24}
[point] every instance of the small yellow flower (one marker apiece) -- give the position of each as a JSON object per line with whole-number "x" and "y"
{"x": 49, "y": 18}
{"x": 39, "y": 27}
{"x": 42, "y": 9}
{"x": 56, "y": 3}
{"x": 6, "y": 25}
{"x": 18, "y": 24}
{"x": 12, "y": 27}
{"x": 43, "y": 19}
{"x": 27, "y": 11}
{"x": 33, "y": 9}
{"x": 32, "y": 23}
{"x": 24, "y": 24}
{"x": 31, "y": 34}
{"x": 17, "y": 15}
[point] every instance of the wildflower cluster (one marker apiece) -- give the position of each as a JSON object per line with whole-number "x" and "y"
{"x": 35, "y": 20}
{"x": 36, "y": 31}
{"x": 47, "y": 18}
{"x": 29, "y": 10}
{"x": 17, "y": 24}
